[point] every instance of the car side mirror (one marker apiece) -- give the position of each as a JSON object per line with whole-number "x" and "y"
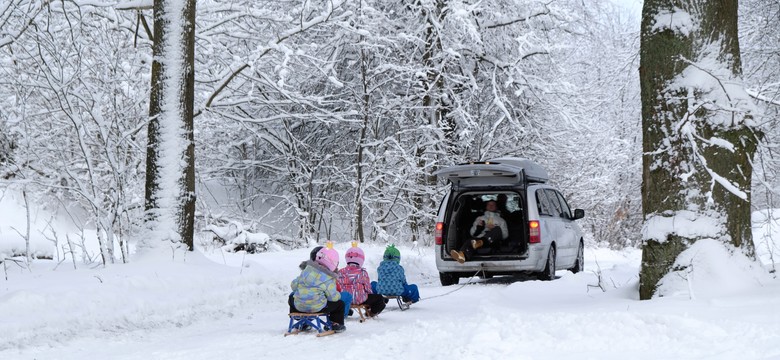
{"x": 578, "y": 214}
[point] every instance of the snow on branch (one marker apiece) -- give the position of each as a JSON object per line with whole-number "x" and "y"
{"x": 25, "y": 12}
{"x": 302, "y": 27}
{"x": 758, "y": 96}
{"x": 135, "y": 5}
{"x": 717, "y": 88}
{"x": 710, "y": 85}
{"x": 688, "y": 131}
{"x": 509, "y": 21}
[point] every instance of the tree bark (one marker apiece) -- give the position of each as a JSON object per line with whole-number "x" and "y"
{"x": 166, "y": 72}
{"x": 698, "y": 139}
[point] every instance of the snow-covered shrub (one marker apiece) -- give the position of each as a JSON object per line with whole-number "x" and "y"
{"x": 234, "y": 237}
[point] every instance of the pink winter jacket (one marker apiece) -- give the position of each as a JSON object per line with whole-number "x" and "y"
{"x": 354, "y": 279}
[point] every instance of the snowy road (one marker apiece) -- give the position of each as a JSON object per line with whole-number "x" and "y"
{"x": 210, "y": 312}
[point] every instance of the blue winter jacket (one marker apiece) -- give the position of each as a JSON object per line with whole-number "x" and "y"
{"x": 314, "y": 288}
{"x": 390, "y": 278}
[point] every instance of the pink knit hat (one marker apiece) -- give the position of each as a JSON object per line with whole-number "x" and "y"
{"x": 329, "y": 258}
{"x": 355, "y": 255}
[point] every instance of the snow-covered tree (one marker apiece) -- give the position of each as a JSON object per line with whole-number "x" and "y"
{"x": 699, "y": 134}
{"x": 16, "y": 16}
{"x": 359, "y": 103}
{"x": 170, "y": 157}
{"x": 597, "y": 138}
{"x": 760, "y": 42}
{"x": 75, "y": 112}
{"x": 319, "y": 119}
{"x": 760, "y": 45}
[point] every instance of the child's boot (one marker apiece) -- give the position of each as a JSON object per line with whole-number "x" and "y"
{"x": 338, "y": 327}
{"x": 457, "y": 255}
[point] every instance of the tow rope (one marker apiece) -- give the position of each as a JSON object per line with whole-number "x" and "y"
{"x": 458, "y": 288}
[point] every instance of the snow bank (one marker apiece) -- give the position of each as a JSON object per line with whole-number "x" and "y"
{"x": 219, "y": 305}
{"x": 161, "y": 290}
{"x": 711, "y": 269}
{"x": 212, "y": 304}
{"x": 51, "y": 307}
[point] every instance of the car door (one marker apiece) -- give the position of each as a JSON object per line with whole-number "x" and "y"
{"x": 563, "y": 239}
{"x": 568, "y": 235}
{"x": 548, "y": 221}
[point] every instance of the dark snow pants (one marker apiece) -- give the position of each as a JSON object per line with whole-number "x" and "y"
{"x": 334, "y": 309}
{"x": 375, "y": 302}
{"x": 491, "y": 238}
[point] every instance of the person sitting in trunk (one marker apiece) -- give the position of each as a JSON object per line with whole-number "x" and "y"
{"x": 487, "y": 230}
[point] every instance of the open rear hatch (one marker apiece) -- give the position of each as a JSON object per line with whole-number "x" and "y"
{"x": 496, "y": 172}
{"x": 468, "y": 206}
{"x": 473, "y": 184}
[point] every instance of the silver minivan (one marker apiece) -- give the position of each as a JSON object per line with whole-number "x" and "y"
{"x": 538, "y": 234}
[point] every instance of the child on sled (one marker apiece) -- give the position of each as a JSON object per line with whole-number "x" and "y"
{"x": 391, "y": 280}
{"x": 354, "y": 279}
{"x": 346, "y": 297}
{"x": 314, "y": 290}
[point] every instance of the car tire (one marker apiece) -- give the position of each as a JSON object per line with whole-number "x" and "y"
{"x": 579, "y": 263}
{"x": 549, "y": 268}
{"x": 448, "y": 279}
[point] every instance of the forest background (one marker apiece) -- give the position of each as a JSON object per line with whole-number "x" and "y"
{"x": 325, "y": 119}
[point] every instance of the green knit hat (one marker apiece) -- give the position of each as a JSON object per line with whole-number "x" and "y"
{"x": 391, "y": 253}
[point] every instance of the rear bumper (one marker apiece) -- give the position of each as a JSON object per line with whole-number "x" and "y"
{"x": 537, "y": 257}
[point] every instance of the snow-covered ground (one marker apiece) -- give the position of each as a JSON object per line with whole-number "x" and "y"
{"x": 211, "y": 304}
{"x": 218, "y": 305}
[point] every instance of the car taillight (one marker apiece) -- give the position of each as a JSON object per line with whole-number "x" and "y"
{"x": 534, "y": 232}
{"x": 437, "y": 233}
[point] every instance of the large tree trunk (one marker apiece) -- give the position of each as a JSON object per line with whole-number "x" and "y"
{"x": 170, "y": 162}
{"x": 698, "y": 138}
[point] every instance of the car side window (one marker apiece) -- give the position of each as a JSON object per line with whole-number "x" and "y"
{"x": 564, "y": 205}
{"x": 542, "y": 204}
{"x": 556, "y": 206}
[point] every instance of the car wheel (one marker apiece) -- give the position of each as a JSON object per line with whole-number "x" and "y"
{"x": 579, "y": 263}
{"x": 549, "y": 267}
{"x": 448, "y": 279}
